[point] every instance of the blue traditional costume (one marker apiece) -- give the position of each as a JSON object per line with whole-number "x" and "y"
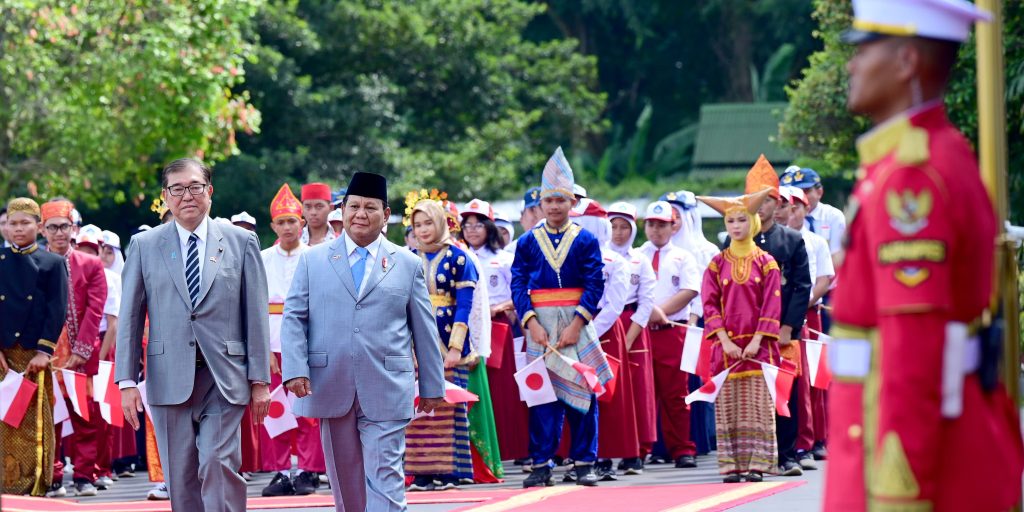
{"x": 557, "y": 276}
{"x": 439, "y": 445}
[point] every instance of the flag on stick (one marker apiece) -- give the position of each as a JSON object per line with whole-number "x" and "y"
{"x": 780, "y": 385}
{"x": 535, "y": 384}
{"x": 60, "y": 407}
{"x": 15, "y": 396}
{"x": 75, "y": 384}
{"x": 279, "y": 418}
{"x": 709, "y": 391}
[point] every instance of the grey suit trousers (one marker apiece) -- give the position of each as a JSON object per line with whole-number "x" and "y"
{"x": 200, "y": 448}
{"x": 368, "y": 456}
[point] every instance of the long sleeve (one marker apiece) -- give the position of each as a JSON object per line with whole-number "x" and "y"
{"x": 466, "y": 279}
{"x": 645, "y": 292}
{"x": 56, "y": 282}
{"x": 420, "y": 313}
{"x": 796, "y": 293}
{"x": 615, "y": 292}
{"x": 131, "y": 324}
{"x": 591, "y": 268}
{"x": 771, "y": 300}
{"x": 257, "y": 319}
{"x": 95, "y": 297}
{"x": 295, "y": 325}
{"x": 711, "y": 290}
{"x": 521, "y": 270}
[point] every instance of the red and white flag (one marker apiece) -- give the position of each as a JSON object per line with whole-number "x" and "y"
{"x": 709, "y": 391}
{"x": 817, "y": 363}
{"x": 454, "y": 394}
{"x": 691, "y": 350}
{"x": 15, "y": 396}
{"x": 280, "y": 418}
{"x": 60, "y": 407}
{"x": 609, "y": 388}
{"x": 780, "y": 385}
{"x": 535, "y": 384}
{"x": 588, "y": 373}
{"x": 106, "y": 393}
{"x": 75, "y": 384}
{"x": 145, "y": 402}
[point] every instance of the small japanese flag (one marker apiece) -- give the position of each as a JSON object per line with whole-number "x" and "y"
{"x": 280, "y": 418}
{"x": 75, "y": 384}
{"x": 709, "y": 391}
{"x": 15, "y": 396}
{"x": 60, "y": 407}
{"x": 535, "y": 384}
{"x": 780, "y": 384}
{"x": 817, "y": 363}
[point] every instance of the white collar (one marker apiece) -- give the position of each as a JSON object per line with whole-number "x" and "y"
{"x": 201, "y": 230}
{"x": 351, "y": 245}
{"x": 280, "y": 250}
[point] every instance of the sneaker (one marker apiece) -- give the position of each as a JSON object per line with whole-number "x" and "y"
{"x": 791, "y": 468}
{"x": 159, "y": 492}
{"x": 527, "y": 465}
{"x": 657, "y": 459}
{"x": 421, "y": 483}
{"x": 306, "y": 483}
{"x": 633, "y": 466}
{"x": 539, "y": 477}
{"x": 85, "y": 488}
{"x": 686, "y": 461}
{"x": 127, "y": 472}
{"x": 281, "y": 485}
{"x": 104, "y": 482}
{"x": 247, "y": 476}
{"x": 445, "y": 483}
{"x": 605, "y": 470}
{"x": 585, "y": 475}
{"x": 56, "y": 491}
{"x": 756, "y": 476}
{"x": 819, "y": 451}
{"x": 732, "y": 478}
{"x": 806, "y": 460}
{"x": 324, "y": 479}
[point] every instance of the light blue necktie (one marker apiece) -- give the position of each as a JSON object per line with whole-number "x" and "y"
{"x": 359, "y": 267}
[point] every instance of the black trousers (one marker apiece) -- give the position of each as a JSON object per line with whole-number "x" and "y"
{"x": 786, "y": 429}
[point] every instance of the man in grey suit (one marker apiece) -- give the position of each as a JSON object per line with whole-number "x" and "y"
{"x": 204, "y": 289}
{"x": 357, "y": 313}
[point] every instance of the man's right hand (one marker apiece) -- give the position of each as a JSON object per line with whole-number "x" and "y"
{"x": 131, "y": 406}
{"x": 299, "y": 387}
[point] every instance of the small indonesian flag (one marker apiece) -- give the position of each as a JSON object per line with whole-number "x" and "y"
{"x": 535, "y": 384}
{"x": 691, "y": 350}
{"x": 75, "y": 384}
{"x": 280, "y": 418}
{"x": 453, "y": 394}
{"x": 105, "y": 392}
{"x": 145, "y": 402}
{"x": 609, "y": 387}
{"x": 817, "y": 363}
{"x": 780, "y": 385}
{"x": 709, "y": 391}
{"x": 60, "y": 407}
{"x": 588, "y": 373}
{"x": 15, "y": 396}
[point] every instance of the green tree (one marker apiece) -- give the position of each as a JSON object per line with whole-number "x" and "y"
{"x": 95, "y": 95}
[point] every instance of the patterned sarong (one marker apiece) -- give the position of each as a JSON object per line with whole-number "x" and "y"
{"x": 745, "y": 424}
{"x": 439, "y": 445}
{"x": 570, "y": 386}
{"x": 28, "y": 450}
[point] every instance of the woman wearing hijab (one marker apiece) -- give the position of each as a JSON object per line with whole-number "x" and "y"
{"x": 438, "y": 453}
{"x": 742, "y": 304}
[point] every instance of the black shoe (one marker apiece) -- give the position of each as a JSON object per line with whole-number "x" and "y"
{"x": 806, "y": 460}
{"x": 755, "y": 476}
{"x": 657, "y": 459}
{"x": 791, "y": 468}
{"x": 585, "y": 475}
{"x": 686, "y": 461}
{"x": 422, "y": 483}
{"x": 632, "y": 466}
{"x": 445, "y": 483}
{"x": 819, "y": 451}
{"x": 732, "y": 478}
{"x": 605, "y": 470}
{"x": 539, "y": 477}
{"x": 84, "y": 487}
{"x": 520, "y": 462}
{"x": 281, "y": 485}
{"x": 306, "y": 483}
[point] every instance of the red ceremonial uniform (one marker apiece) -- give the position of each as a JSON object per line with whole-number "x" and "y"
{"x": 919, "y": 257}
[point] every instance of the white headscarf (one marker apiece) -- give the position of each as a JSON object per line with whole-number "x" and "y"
{"x": 600, "y": 227}
{"x": 623, "y": 250}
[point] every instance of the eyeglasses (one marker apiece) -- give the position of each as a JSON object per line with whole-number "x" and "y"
{"x": 194, "y": 189}
{"x": 54, "y": 228}
{"x": 472, "y": 226}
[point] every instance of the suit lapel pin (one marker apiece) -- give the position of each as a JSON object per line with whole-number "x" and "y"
{"x": 336, "y": 257}
{"x": 213, "y": 259}
{"x": 384, "y": 263}
{"x": 174, "y": 255}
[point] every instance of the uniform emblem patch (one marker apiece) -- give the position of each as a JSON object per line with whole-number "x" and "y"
{"x": 634, "y": 279}
{"x": 908, "y": 212}
{"x": 494, "y": 280}
{"x": 912, "y": 276}
{"x": 675, "y": 281}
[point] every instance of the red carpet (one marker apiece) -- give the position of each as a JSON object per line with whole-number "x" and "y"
{"x": 663, "y": 498}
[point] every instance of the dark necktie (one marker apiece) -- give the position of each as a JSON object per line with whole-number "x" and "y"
{"x": 810, "y": 224}
{"x": 192, "y": 268}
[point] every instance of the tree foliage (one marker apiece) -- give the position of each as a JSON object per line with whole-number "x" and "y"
{"x": 95, "y": 95}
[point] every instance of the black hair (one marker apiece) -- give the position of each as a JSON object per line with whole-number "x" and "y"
{"x": 493, "y": 239}
{"x": 184, "y": 163}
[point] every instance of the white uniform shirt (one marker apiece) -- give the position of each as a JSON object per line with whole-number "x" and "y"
{"x": 616, "y": 291}
{"x": 113, "y": 304}
{"x": 819, "y": 259}
{"x": 641, "y": 285}
{"x": 496, "y": 271}
{"x": 677, "y": 271}
{"x": 280, "y": 266}
{"x": 329, "y": 237}
{"x": 829, "y": 223}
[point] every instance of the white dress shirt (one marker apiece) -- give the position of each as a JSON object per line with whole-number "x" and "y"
{"x": 677, "y": 271}
{"x": 819, "y": 259}
{"x": 496, "y": 270}
{"x": 830, "y": 223}
{"x": 113, "y": 304}
{"x": 616, "y": 291}
{"x": 371, "y": 259}
{"x": 201, "y": 231}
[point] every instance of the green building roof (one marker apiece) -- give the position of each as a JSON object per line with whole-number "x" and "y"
{"x": 732, "y": 135}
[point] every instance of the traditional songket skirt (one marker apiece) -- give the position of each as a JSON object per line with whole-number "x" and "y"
{"x": 28, "y": 450}
{"x": 745, "y": 421}
{"x": 439, "y": 444}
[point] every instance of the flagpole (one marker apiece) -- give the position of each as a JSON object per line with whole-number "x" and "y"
{"x": 993, "y": 162}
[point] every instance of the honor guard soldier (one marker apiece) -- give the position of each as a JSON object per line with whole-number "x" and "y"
{"x": 913, "y": 425}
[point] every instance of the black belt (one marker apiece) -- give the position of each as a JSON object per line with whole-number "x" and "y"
{"x": 664, "y": 327}
{"x": 200, "y": 360}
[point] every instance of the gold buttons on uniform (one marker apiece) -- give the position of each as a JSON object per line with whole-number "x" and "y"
{"x": 2, "y": 297}
{"x": 29, "y": 297}
{"x": 17, "y": 334}
{"x": 854, "y": 431}
{"x": 730, "y": 334}
{"x": 725, "y": 282}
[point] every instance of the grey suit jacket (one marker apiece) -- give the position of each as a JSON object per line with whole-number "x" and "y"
{"x": 230, "y": 322}
{"x": 349, "y": 345}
